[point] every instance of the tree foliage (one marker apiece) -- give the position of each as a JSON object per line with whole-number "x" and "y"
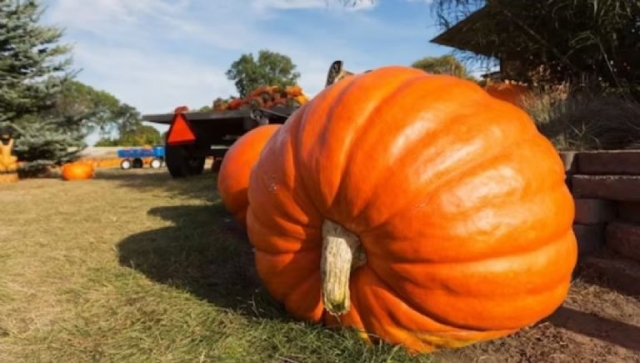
{"x": 34, "y": 68}
{"x": 141, "y": 135}
{"x": 41, "y": 105}
{"x": 446, "y": 64}
{"x": 126, "y": 121}
{"x": 99, "y": 110}
{"x": 269, "y": 68}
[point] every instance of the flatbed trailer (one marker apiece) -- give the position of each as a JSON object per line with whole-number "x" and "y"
{"x": 135, "y": 157}
{"x": 194, "y": 136}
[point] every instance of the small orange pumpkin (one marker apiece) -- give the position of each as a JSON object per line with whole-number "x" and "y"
{"x": 78, "y": 170}
{"x": 181, "y": 109}
{"x": 415, "y": 208}
{"x": 233, "y": 177}
{"x": 235, "y": 103}
{"x": 293, "y": 91}
{"x": 301, "y": 99}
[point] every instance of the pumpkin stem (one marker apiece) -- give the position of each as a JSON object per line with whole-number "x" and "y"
{"x": 341, "y": 253}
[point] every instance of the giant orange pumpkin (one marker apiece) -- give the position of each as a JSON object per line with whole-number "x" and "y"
{"x": 415, "y": 208}
{"x": 233, "y": 177}
{"x": 78, "y": 170}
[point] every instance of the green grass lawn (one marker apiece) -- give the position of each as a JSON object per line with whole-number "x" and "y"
{"x": 136, "y": 267}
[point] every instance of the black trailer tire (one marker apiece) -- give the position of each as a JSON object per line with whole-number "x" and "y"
{"x": 181, "y": 164}
{"x": 125, "y": 164}
{"x": 138, "y": 163}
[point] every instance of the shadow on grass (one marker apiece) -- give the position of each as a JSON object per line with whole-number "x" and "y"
{"x": 205, "y": 254}
{"x": 201, "y": 186}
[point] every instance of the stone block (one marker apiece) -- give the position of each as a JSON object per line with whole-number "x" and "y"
{"x": 629, "y": 211}
{"x": 624, "y": 238}
{"x": 610, "y": 187}
{"x": 594, "y": 211}
{"x": 620, "y": 273}
{"x": 610, "y": 162}
{"x": 590, "y": 237}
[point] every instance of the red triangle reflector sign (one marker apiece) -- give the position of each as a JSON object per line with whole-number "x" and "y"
{"x": 180, "y": 131}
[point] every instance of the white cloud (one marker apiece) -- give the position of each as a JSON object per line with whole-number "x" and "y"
{"x": 288, "y": 4}
{"x": 159, "y": 54}
{"x": 341, "y": 5}
{"x": 142, "y": 80}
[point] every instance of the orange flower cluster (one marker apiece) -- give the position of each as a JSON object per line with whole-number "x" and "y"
{"x": 264, "y": 97}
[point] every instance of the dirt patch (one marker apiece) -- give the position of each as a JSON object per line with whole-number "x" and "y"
{"x": 595, "y": 324}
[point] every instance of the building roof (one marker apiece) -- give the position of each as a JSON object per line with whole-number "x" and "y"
{"x": 463, "y": 35}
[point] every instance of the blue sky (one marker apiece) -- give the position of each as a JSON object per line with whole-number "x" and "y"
{"x": 159, "y": 54}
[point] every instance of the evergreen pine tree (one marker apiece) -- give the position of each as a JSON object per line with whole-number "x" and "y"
{"x": 33, "y": 70}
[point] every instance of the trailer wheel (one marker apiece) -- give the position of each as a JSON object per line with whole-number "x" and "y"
{"x": 216, "y": 164}
{"x": 155, "y": 163}
{"x": 125, "y": 164}
{"x": 181, "y": 164}
{"x": 138, "y": 163}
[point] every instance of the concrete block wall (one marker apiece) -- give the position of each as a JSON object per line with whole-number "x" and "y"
{"x": 606, "y": 190}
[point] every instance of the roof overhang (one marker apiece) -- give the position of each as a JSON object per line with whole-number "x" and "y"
{"x": 460, "y": 35}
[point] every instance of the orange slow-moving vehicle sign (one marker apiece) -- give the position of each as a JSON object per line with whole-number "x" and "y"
{"x": 180, "y": 132}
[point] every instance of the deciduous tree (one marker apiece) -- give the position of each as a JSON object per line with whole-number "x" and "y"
{"x": 269, "y": 68}
{"x": 446, "y": 64}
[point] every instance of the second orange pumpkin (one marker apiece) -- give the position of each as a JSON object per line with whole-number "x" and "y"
{"x": 233, "y": 177}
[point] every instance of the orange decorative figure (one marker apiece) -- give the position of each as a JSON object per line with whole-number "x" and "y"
{"x": 8, "y": 162}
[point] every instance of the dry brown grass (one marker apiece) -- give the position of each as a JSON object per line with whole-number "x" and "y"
{"x": 136, "y": 267}
{"x": 586, "y": 120}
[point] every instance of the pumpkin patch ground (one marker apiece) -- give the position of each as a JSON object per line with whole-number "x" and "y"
{"x": 135, "y": 266}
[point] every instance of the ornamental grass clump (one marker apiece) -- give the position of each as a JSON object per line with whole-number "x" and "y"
{"x": 586, "y": 120}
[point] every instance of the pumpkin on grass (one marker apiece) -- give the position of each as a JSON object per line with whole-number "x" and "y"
{"x": 233, "y": 176}
{"x": 78, "y": 170}
{"x": 414, "y": 208}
